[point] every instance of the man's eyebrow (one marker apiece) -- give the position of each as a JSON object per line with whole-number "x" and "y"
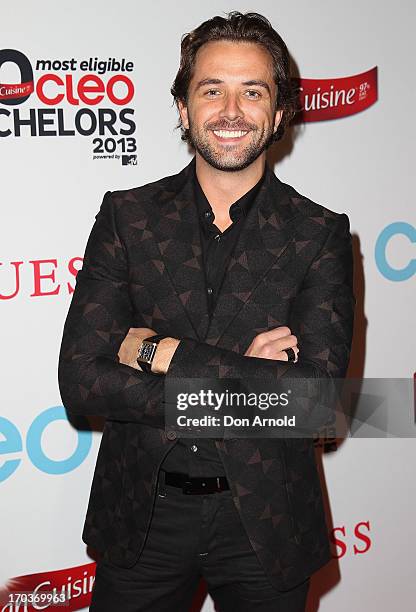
{"x": 251, "y": 83}
{"x": 258, "y": 83}
{"x": 208, "y": 82}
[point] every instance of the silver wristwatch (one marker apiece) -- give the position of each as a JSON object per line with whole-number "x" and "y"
{"x": 147, "y": 351}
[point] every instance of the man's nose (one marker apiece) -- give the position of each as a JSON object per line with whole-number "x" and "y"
{"x": 231, "y": 109}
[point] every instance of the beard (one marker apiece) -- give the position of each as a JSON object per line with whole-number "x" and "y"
{"x": 230, "y": 158}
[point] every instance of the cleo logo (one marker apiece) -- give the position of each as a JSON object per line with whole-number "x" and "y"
{"x": 400, "y": 228}
{"x": 11, "y": 444}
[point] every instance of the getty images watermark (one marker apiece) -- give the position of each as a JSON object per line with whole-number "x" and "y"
{"x": 295, "y": 407}
{"x": 220, "y": 401}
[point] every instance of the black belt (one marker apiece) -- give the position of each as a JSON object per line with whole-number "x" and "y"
{"x": 197, "y": 486}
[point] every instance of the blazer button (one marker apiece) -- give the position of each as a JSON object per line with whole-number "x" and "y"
{"x": 171, "y": 435}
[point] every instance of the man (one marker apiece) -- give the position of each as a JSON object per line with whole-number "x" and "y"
{"x": 238, "y": 276}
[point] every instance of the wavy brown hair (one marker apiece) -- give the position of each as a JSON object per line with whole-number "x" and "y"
{"x": 239, "y": 27}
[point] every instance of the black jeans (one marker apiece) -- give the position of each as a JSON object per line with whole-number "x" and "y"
{"x": 193, "y": 536}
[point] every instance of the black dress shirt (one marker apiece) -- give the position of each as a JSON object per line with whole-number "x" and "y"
{"x": 199, "y": 457}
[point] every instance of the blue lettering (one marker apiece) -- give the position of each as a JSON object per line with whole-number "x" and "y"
{"x": 394, "y": 274}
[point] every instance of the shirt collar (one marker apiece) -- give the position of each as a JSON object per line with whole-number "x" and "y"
{"x": 237, "y": 209}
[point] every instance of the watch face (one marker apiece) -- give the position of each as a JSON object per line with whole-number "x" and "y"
{"x": 146, "y": 351}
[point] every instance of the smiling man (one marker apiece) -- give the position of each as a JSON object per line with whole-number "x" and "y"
{"x": 230, "y": 118}
{"x": 219, "y": 271}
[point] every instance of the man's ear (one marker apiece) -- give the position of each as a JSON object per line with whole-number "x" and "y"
{"x": 277, "y": 119}
{"x": 183, "y": 111}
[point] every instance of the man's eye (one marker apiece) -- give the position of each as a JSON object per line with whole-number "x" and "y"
{"x": 212, "y": 92}
{"x": 252, "y": 94}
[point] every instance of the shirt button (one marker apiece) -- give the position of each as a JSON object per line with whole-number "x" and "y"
{"x": 207, "y": 214}
{"x": 217, "y": 237}
{"x": 171, "y": 435}
{"x": 194, "y": 448}
{"x": 209, "y": 290}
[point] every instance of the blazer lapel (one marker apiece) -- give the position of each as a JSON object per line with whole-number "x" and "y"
{"x": 178, "y": 239}
{"x": 265, "y": 236}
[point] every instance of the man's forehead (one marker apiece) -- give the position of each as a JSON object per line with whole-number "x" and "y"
{"x": 231, "y": 60}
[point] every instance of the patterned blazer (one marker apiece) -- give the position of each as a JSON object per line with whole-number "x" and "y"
{"x": 292, "y": 265}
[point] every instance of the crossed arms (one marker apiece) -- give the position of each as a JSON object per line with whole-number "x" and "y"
{"x": 92, "y": 381}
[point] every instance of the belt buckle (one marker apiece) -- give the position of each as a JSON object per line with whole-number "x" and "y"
{"x": 188, "y": 487}
{"x": 200, "y": 487}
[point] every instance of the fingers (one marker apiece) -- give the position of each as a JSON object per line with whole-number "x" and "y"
{"x": 286, "y": 342}
{"x": 273, "y": 334}
{"x": 279, "y": 345}
{"x": 272, "y": 343}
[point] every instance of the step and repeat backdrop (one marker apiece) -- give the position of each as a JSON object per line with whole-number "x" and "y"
{"x": 85, "y": 107}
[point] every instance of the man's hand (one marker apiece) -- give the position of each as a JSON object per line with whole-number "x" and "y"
{"x": 271, "y": 344}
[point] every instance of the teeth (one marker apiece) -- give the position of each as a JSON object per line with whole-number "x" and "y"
{"x": 227, "y": 134}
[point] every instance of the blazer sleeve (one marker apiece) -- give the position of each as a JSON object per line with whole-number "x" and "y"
{"x": 91, "y": 379}
{"x": 322, "y": 317}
